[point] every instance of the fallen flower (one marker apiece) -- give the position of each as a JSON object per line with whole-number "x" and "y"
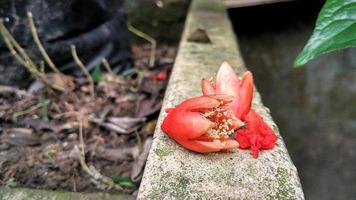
{"x": 161, "y": 76}
{"x": 257, "y": 135}
{"x": 202, "y": 124}
{"x": 227, "y": 82}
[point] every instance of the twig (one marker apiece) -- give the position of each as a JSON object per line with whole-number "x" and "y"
{"x": 16, "y": 45}
{"x": 9, "y": 90}
{"x": 74, "y": 183}
{"x": 44, "y": 108}
{"x": 42, "y": 67}
{"x": 139, "y": 140}
{"x": 91, "y": 171}
{"x": 29, "y": 110}
{"x": 111, "y": 126}
{"x": 113, "y": 77}
{"x": 21, "y": 56}
{"x": 82, "y": 67}
{"x": 11, "y": 48}
{"x": 66, "y": 114}
{"x": 81, "y": 140}
{"x": 39, "y": 44}
{"x": 148, "y": 38}
{"x": 10, "y": 43}
{"x": 107, "y": 66}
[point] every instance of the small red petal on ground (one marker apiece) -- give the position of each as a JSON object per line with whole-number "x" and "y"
{"x": 160, "y": 76}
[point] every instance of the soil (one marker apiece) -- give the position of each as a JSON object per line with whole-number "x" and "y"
{"x": 40, "y": 129}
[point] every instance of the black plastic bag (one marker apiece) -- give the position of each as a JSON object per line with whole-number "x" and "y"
{"x": 96, "y": 27}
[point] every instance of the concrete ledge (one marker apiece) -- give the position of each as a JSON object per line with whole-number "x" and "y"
{"x": 30, "y": 194}
{"x": 175, "y": 173}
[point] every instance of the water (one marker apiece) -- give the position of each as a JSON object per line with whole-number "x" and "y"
{"x": 314, "y": 106}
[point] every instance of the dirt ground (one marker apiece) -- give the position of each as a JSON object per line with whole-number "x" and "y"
{"x": 40, "y": 140}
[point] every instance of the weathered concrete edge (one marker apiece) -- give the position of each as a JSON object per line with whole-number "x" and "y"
{"x": 170, "y": 170}
{"x": 32, "y": 194}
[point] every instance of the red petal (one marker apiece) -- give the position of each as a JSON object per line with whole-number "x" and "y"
{"x": 204, "y": 138}
{"x": 245, "y": 96}
{"x": 255, "y": 141}
{"x": 243, "y": 139}
{"x": 209, "y": 147}
{"x": 204, "y": 103}
{"x": 230, "y": 144}
{"x": 227, "y": 82}
{"x": 207, "y": 87}
{"x": 160, "y": 76}
{"x": 255, "y": 152}
{"x": 237, "y": 123}
{"x": 167, "y": 110}
{"x": 181, "y": 125}
{"x": 257, "y": 134}
{"x": 269, "y": 141}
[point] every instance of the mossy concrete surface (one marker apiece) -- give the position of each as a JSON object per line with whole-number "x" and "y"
{"x": 31, "y": 194}
{"x": 173, "y": 172}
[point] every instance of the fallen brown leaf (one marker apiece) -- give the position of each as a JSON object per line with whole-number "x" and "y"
{"x": 138, "y": 166}
{"x": 21, "y": 137}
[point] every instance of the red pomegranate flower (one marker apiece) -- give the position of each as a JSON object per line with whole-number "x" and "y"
{"x": 257, "y": 134}
{"x": 202, "y": 124}
{"x": 227, "y": 82}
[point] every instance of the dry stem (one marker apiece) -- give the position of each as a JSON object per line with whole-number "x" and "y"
{"x": 113, "y": 77}
{"x": 90, "y": 170}
{"x": 29, "y": 110}
{"x": 148, "y": 38}
{"x": 21, "y": 56}
{"x": 82, "y": 67}
{"x": 39, "y": 44}
{"x": 107, "y": 66}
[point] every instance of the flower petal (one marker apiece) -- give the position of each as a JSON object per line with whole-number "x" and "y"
{"x": 245, "y": 96}
{"x": 243, "y": 139}
{"x": 255, "y": 142}
{"x": 269, "y": 141}
{"x": 207, "y": 87}
{"x": 204, "y": 103}
{"x": 200, "y": 147}
{"x": 180, "y": 125}
{"x": 237, "y": 123}
{"x": 227, "y": 82}
{"x": 209, "y": 147}
{"x": 257, "y": 134}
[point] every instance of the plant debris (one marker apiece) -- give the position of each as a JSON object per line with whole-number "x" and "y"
{"x": 40, "y": 141}
{"x": 199, "y": 36}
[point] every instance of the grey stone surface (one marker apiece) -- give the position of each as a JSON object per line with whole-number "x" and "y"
{"x": 30, "y": 194}
{"x": 175, "y": 173}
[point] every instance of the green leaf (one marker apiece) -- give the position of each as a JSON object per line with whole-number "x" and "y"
{"x": 43, "y": 102}
{"x": 97, "y": 74}
{"x": 10, "y": 182}
{"x": 123, "y": 181}
{"x": 335, "y": 29}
